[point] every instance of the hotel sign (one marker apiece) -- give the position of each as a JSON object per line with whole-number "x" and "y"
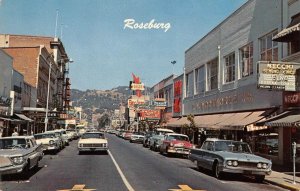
{"x": 135, "y": 86}
{"x": 277, "y": 75}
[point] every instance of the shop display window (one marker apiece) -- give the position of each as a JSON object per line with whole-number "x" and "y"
{"x": 265, "y": 142}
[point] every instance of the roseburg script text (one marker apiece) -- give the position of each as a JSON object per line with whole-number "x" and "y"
{"x": 131, "y": 24}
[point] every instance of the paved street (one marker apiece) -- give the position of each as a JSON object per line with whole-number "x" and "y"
{"x": 135, "y": 168}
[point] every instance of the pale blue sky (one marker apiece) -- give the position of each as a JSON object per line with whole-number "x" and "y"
{"x": 104, "y": 53}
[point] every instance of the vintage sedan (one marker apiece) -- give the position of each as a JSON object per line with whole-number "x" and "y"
{"x": 174, "y": 143}
{"x": 19, "y": 154}
{"x": 226, "y": 156}
{"x": 155, "y": 142}
{"x": 49, "y": 141}
{"x": 136, "y": 138}
{"x": 92, "y": 141}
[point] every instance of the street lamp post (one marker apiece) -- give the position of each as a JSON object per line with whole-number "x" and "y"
{"x": 48, "y": 91}
{"x": 173, "y": 63}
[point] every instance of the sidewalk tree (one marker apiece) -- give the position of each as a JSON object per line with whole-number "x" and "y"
{"x": 193, "y": 128}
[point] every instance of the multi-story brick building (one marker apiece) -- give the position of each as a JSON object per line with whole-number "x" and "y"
{"x": 33, "y": 56}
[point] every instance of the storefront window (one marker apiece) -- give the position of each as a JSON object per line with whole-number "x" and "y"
{"x": 200, "y": 80}
{"x": 268, "y": 48}
{"x": 246, "y": 57}
{"x": 229, "y": 68}
{"x": 212, "y": 74}
{"x": 265, "y": 142}
{"x": 189, "y": 84}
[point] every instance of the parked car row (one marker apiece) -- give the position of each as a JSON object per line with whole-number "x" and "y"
{"x": 219, "y": 156}
{"x": 19, "y": 154}
{"x": 56, "y": 140}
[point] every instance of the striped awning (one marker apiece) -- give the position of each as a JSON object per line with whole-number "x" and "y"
{"x": 229, "y": 121}
{"x": 288, "y": 34}
{"x": 291, "y": 32}
{"x": 292, "y": 120}
{"x": 179, "y": 123}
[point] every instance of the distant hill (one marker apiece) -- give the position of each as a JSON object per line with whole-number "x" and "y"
{"x": 100, "y": 100}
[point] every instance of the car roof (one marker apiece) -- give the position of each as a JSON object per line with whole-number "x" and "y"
{"x": 165, "y": 130}
{"x": 17, "y": 137}
{"x": 47, "y": 132}
{"x": 93, "y": 132}
{"x": 177, "y": 134}
{"x": 216, "y": 139}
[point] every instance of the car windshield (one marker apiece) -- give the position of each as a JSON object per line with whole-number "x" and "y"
{"x": 178, "y": 138}
{"x": 92, "y": 135}
{"x": 12, "y": 143}
{"x": 229, "y": 146}
{"x": 43, "y": 136}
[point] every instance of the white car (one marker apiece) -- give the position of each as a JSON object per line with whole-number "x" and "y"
{"x": 92, "y": 141}
{"x": 49, "y": 141}
{"x": 136, "y": 138}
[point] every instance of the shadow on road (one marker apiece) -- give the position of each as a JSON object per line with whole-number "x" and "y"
{"x": 22, "y": 176}
{"x": 93, "y": 153}
{"x": 228, "y": 176}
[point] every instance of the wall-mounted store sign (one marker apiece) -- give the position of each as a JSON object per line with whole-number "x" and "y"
{"x": 291, "y": 99}
{"x": 5, "y": 101}
{"x": 277, "y": 75}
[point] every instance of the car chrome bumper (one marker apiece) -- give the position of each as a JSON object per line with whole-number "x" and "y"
{"x": 246, "y": 171}
{"x": 179, "y": 151}
{"x": 93, "y": 149}
{"x": 14, "y": 169}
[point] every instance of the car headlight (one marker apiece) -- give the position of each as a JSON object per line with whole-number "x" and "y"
{"x": 235, "y": 163}
{"x": 229, "y": 163}
{"x": 18, "y": 160}
{"x": 259, "y": 165}
{"x": 51, "y": 142}
{"x": 171, "y": 144}
{"x": 264, "y": 166}
{"x": 79, "y": 145}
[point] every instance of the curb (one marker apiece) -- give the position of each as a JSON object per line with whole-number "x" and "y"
{"x": 282, "y": 185}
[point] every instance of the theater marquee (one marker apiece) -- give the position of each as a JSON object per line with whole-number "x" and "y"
{"x": 278, "y": 75}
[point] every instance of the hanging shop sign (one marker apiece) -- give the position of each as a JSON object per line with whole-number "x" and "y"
{"x": 277, "y": 75}
{"x": 132, "y": 103}
{"x": 135, "y": 86}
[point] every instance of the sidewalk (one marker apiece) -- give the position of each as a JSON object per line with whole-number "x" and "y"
{"x": 282, "y": 176}
{"x": 284, "y": 180}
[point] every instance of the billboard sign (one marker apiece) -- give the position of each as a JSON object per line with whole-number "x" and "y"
{"x": 149, "y": 114}
{"x": 277, "y": 75}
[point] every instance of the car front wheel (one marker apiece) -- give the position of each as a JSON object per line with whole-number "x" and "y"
{"x": 216, "y": 170}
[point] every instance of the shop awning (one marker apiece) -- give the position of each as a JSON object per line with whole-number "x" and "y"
{"x": 171, "y": 120}
{"x": 11, "y": 120}
{"x": 290, "y": 119}
{"x": 178, "y": 123}
{"x": 229, "y": 121}
{"x": 5, "y": 119}
{"x": 23, "y": 117}
{"x": 291, "y": 33}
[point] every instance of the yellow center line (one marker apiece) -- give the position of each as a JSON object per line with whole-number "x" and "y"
{"x": 184, "y": 187}
{"x": 78, "y": 187}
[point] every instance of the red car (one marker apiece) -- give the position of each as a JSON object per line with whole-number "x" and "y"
{"x": 176, "y": 144}
{"x": 127, "y": 135}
